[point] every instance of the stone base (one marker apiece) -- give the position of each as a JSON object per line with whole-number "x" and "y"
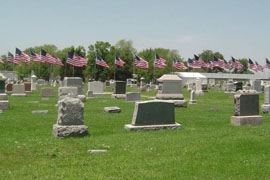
{"x": 82, "y": 98}
{"x": 60, "y": 131}
{"x": 87, "y": 98}
{"x": 199, "y": 93}
{"x": 192, "y": 102}
{"x": 3, "y": 96}
{"x": 119, "y": 96}
{"x": 19, "y": 94}
{"x": 265, "y": 108}
{"x": 28, "y": 91}
{"x": 130, "y": 127}
{"x": 246, "y": 120}
{"x": 104, "y": 93}
{"x": 177, "y": 103}
{"x": 4, "y": 104}
{"x": 113, "y": 109}
{"x": 170, "y": 96}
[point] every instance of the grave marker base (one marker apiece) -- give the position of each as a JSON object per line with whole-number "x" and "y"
{"x": 131, "y": 127}
{"x": 246, "y": 120}
{"x": 60, "y": 131}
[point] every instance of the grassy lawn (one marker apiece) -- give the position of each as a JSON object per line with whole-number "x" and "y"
{"x": 206, "y": 147}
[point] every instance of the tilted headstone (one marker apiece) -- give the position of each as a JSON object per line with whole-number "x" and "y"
{"x": 74, "y": 82}
{"x": 46, "y": 92}
{"x": 246, "y": 109}
{"x": 18, "y": 90}
{"x": 152, "y": 115}
{"x": 70, "y": 118}
{"x": 266, "y": 105}
{"x": 133, "y": 96}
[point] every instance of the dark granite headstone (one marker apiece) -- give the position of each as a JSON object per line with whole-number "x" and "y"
{"x": 9, "y": 87}
{"x": 153, "y": 113}
{"x": 120, "y": 87}
{"x": 246, "y": 104}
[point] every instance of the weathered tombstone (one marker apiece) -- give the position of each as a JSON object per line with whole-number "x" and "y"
{"x": 192, "y": 98}
{"x": 33, "y": 82}
{"x": 70, "y": 118}
{"x": 153, "y": 115}
{"x": 18, "y": 90}
{"x": 246, "y": 109}
{"x": 256, "y": 85}
{"x": 27, "y": 87}
{"x": 9, "y": 88}
{"x": 96, "y": 87}
{"x": 198, "y": 90}
{"x": 266, "y": 106}
{"x": 67, "y": 91}
{"x": 3, "y": 96}
{"x": 133, "y": 96}
{"x": 170, "y": 89}
{"x": 74, "y": 82}
{"x": 119, "y": 89}
{"x": 46, "y": 92}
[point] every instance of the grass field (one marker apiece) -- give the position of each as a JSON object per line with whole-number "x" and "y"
{"x": 206, "y": 147}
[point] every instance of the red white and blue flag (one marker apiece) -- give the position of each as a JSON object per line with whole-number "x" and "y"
{"x": 252, "y": 66}
{"x": 21, "y": 56}
{"x": 218, "y": 63}
{"x": 199, "y": 62}
{"x": 259, "y": 67}
{"x": 46, "y": 57}
{"x": 210, "y": 64}
{"x": 227, "y": 65}
{"x": 10, "y": 58}
{"x": 159, "y": 62}
{"x": 236, "y": 64}
{"x": 101, "y": 62}
{"x": 177, "y": 64}
{"x": 193, "y": 64}
{"x": 140, "y": 63}
{"x": 34, "y": 56}
{"x": 118, "y": 61}
{"x": 75, "y": 60}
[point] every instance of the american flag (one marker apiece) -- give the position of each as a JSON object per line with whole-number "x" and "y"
{"x": 177, "y": 64}
{"x": 226, "y": 65}
{"x": 218, "y": 63}
{"x": 10, "y": 58}
{"x": 259, "y": 67}
{"x": 101, "y": 62}
{"x": 46, "y": 57}
{"x": 75, "y": 60}
{"x": 210, "y": 64}
{"x": 118, "y": 61}
{"x": 34, "y": 57}
{"x": 21, "y": 56}
{"x": 140, "y": 63}
{"x": 57, "y": 61}
{"x": 236, "y": 64}
{"x": 267, "y": 64}
{"x": 199, "y": 61}
{"x": 159, "y": 62}
{"x": 193, "y": 64}
{"x": 1, "y": 61}
{"x": 252, "y": 66}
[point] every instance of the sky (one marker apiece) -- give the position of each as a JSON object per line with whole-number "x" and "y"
{"x": 238, "y": 28}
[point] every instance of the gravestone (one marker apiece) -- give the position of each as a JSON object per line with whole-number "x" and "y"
{"x": 212, "y": 82}
{"x": 230, "y": 87}
{"x": 46, "y": 92}
{"x": 266, "y": 105}
{"x": 9, "y": 88}
{"x": 119, "y": 90}
{"x": 256, "y": 85}
{"x": 133, "y": 96}
{"x": 170, "y": 86}
{"x": 113, "y": 109}
{"x": 27, "y": 87}
{"x": 142, "y": 84}
{"x": 89, "y": 95}
{"x": 3, "y": 96}
{"x": 70, "y": 118}
{"x": 18, "y": 90}
{"x": 204, "y": 87}
{"x": 192, "y": 98}
{"x": 96, "y": 87}
{"x": 190, "y": 86}
{"x": 74, "y": 82}
{"x": 33, "y": 82}
{"x": 198, "y": 90}
{"x": 67, "y": 91}
{"x": 153, "y": 115}
{"x": 246, "y": 109}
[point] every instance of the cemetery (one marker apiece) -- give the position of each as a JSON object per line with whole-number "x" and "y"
{"x": 87, "y": 129}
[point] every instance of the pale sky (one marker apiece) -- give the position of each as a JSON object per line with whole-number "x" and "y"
{"x": 238, "y": 28}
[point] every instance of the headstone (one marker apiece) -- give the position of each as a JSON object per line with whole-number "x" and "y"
{"x": 33, "y": 82}
{"x": 113, "y": 109}
{"x": 40, "y": 112}
{"x": 119, "y": 89}
{"x": 2, "y": 83}
{"x": 18, "y": 90}
{"x": 96, "y": 87}
{"x": 54, "y": 83}
{"x": 70, "y": 118}
{"x": 133, "y": 96}
{"x": 67, "y": 91}
{"x": 204, "y": 87}
{"x": 89, "y": 95}
{"x": 192, "y": 98}
{"x": 74, "y": 82}
{"x": 198, "y": 91}
{"x": 3, "y": 96}
{"x": 266, "y": 105}
{"x": 256, "y": 85}
{"x": 212, "y": 82}
{"x": 153, "y": 115}
{"x": 230, "y": 87}
{"x": 142, "y": 84}
{"x": 46, "y": 92}
{"x": 246, "y": 109}
{"x": 27, "y": 87}
{"x": 9, "y": 88}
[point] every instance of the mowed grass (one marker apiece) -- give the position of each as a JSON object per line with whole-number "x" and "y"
{"x": 206, "y": 147}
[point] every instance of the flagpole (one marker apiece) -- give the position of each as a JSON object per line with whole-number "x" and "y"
{"x": 154, "y": 68}
{"x": 95, "y": 68}
{"x": 73, "y": 71}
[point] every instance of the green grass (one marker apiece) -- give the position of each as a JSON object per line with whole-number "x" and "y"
{"x": 206, "y": 147}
